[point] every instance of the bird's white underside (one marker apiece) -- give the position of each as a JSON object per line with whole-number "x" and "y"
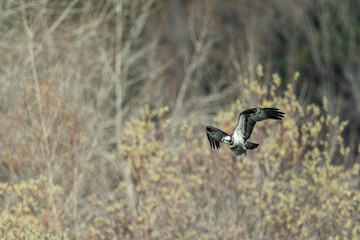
{"x": 239, "y": 140}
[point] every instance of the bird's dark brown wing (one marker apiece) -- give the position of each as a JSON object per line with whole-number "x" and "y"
{"x": 215, "y": 136}
{"x": 249, "y": 117}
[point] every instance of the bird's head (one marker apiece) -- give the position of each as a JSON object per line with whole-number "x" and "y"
{"x": 227, "y": 140}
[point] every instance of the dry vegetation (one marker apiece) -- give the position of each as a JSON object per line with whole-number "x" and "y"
{"x": 103, "y": 106}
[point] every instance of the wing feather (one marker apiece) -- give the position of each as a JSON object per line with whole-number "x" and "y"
{"x": 249, "y": 117}
{"x": 215, "y": 136}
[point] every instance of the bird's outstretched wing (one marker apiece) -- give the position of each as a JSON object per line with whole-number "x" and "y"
{"x": 249, "y": 117}
{"x": 215, "y": 136}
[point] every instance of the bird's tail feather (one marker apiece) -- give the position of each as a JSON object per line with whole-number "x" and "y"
{"x": 240, "y": 151}
{"x": 251, "y": 145}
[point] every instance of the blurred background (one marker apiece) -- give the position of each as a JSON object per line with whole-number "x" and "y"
{"x": 75, "y": 74}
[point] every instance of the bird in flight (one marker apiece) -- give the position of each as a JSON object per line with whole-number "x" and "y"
{"x": 243, "y": 130}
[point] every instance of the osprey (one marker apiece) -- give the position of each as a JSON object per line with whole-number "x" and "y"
{"x": 243, "y": 130}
